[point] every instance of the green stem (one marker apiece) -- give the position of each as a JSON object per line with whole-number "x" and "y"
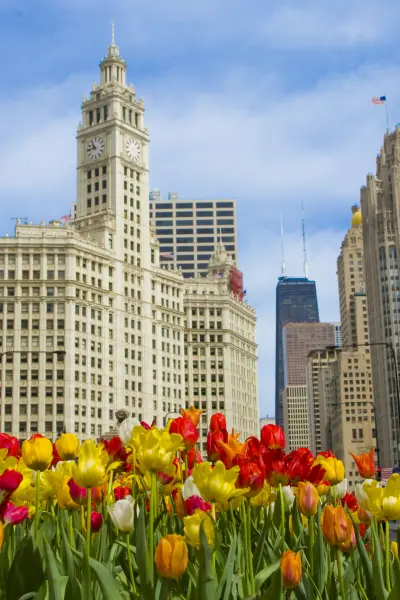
{"x": 245, "y": 549}
{"x": 311, "y": 547}
{"x": 88, "y": 522}
{"x": 340, "y": 574}
{"x": 151, "y": 523}
{"x": 71, "y": 530}
{"x": 281, "y": 500}
{"x": 37, "y": 509}
{"x": 250, "y": 555}
{"x": 186, "y": 466}
{"x": 82, "y": 520}
{"x": 128, "y": 548}
{"x": 387, "y": 555}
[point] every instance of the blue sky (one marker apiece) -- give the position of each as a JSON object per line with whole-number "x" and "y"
{"x": 266, "y": 102}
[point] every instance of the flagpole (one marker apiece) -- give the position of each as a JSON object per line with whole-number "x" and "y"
{"x": 387, "y": 116}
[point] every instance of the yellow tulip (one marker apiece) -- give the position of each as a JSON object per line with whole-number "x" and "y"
{"x": 391, "y": 498}
{"x": 49, "y": 483}
{"x": 192, "y": 528}
{"x": 217, "y": 484}
{"x": 67, "y": 446}
{"x": 291, "y": 569}
{"x": 37, "y": 453}
{"x": 334, "y": 468}
{"x": 64, "y": 498}
{"x": 155, "y": 449}
{"x": 6, "y": 462}
{"x": 171, "y": 556}
{"x": 307, "y": 498}
{"x": 382, "y": 503}
{"x": 91, "y": 468}
{"x": 264, "y": 498}
{"x": 394, "y": 548}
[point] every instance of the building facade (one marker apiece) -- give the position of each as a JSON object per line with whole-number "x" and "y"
{"x": 380, "y": 202}
{"x": 90, "y": 322}
{"x": 296, "y": 302}
{"x": 295, "y": 415}
{"x": 190, "y": 230}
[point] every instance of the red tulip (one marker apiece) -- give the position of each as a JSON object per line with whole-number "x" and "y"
{"x": 185, "y": 427}
{"x": 115, "y": 448}
{"x": 10, "y": 480}
{"x": 213, "y": 449}
{"x": 96, "y": 521}
{"x": 196, "y": 503}
{"x": 276, "y": 469}
{"x": 217, "y": 422}
{"x": 272, "y": 437}
{"x": 11, "y": 444}
{"x": 300, "y": 467}
{"x": 146, "y": 425}
{"x": 350, "y": 501}
{"x": 56, "y": 457}
{"x": 13, "y": 515}
{"x": 251, "y": 475}
{"x": 251, "y": 447}
{"x": 193, "y": 457}
{"x": 121, "y": 491}
{"x": 78, "y": 494}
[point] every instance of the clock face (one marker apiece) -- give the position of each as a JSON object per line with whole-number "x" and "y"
{"x": 95, "y": 148}
{"x": 133, "y": 149}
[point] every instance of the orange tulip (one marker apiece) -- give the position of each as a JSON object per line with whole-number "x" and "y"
{"x": 291, "y": 569}
{"x": 307, "y": 498}
{"x": 364, "y": 516}
{"x": 192, "y": 413}
{"x": 336, "y": 527}
{"x": 365, "y": 464}
{"x": 171, "y": 556}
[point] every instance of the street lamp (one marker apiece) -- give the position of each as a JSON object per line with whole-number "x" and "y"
{"x": 167, "y": 415}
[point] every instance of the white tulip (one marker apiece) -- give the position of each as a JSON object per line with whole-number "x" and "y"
{"x": 121, "y": 513}
{"x": 341, "y": 488}
{"x": 288, "y": 497}
{"x": 125, "y": 429}
{"x": 361, "y": 495}
{"x": 190, "y": 489}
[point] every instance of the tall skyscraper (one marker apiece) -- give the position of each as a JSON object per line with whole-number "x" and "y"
{"x": 380, "y": 204}
{"x": 190, "y": 230}
{"x": 352, "y": 402}
{"x": 90, "y": 322}
{"x": 298, "y": 340}
{"x": 296, "y": 302}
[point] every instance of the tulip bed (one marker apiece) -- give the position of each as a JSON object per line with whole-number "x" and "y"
{"x": 142, "y": 516}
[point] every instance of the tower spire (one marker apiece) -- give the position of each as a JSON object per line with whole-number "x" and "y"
{"x": 305, "y": 266}
{"x": 112, "y": 33}
{"x": 283, "y": 265}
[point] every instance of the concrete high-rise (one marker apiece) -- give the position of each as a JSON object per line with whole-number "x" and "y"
{"x": 190, "y": 230}
{"x": 296, "y": 302}
{"x": 90, "y": 322}
{"x": 380, "y": 204}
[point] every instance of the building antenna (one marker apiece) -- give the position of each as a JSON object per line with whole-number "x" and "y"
{"x": 283, "y": 265}
{"x": 112, "y": 33}
{"x": 305, "y": 266}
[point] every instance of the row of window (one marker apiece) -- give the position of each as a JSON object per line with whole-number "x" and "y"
{"x": 35, "y": 274}
{"x": 178, "y": 231}
{"x": 190, "y": 222}
{"x": 51, "y": 259}
{"x": 181, "y": 205}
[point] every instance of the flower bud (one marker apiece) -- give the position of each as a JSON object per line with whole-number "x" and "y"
{"x": 307, "y": 498}
{"x": 291, "y": 569}
{"x": 171, "y": 556}
{"x": 96, "y": 521}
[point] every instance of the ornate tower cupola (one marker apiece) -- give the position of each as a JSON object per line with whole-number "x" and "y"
{"x": 113, "y": 66}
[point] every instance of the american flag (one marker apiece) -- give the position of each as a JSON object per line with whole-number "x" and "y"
{"x": 166, "y": 255}
{"x": 386, "y": 472}
{"x": 379, "y": 100}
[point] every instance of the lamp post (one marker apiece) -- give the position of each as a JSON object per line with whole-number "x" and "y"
{"x": 167, "y": 415}
{"x": 396, "y": 377}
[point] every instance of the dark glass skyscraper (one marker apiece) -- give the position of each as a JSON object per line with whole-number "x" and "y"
{"x": 296, "y": 302}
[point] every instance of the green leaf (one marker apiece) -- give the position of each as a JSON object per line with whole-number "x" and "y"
{"x": 365, "y": 560}
{"x": 274, "y": 590}
{"x": 320, "y": 556}
{"x": 395, "y": 593}
{"x": 26, "y": 572}
{"x": 378, "y": 583}
{"x": 109, "y": 586}
{"x": 265, "y": 574}
{"x": 54, "y": 578}
{"x": 73, "y": 586}
{"x": 142, "y": 557}
{"x": 228, "y": 571}
{"x": 206, "y": 586}
{"x": 260, "y": 545}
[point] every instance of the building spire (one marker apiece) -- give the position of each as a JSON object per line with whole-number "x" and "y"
{"x": 283, "y": 265}
{"x": 305, "y": 266}
{"x": 112, "y": 33}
